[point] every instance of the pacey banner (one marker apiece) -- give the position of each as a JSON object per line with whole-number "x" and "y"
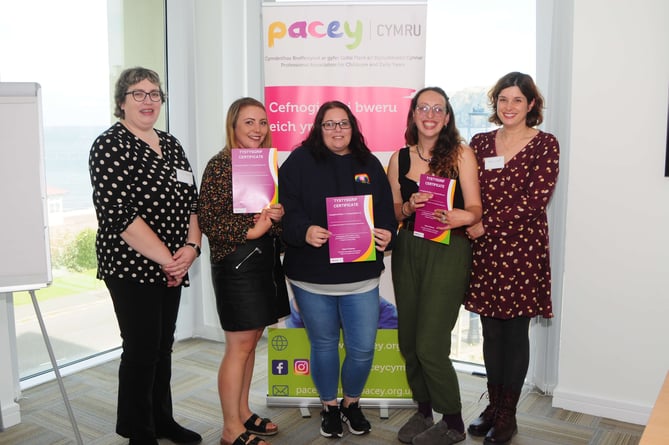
{"x": 369, "y": 56}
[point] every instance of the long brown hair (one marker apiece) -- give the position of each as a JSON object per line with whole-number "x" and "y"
{"x": 446, "y": 152}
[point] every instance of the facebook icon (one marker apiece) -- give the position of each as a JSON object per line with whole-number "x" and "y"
{"x": 279, "y": 367}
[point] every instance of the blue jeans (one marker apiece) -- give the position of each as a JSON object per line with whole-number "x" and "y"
{"x": 323, "y": 315}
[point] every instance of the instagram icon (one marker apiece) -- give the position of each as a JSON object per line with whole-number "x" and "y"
{"x": 301, "y": 366}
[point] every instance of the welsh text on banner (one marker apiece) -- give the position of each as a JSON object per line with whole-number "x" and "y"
{"x": 369, "y": 56}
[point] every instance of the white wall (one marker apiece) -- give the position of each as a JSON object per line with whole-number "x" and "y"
{"x": 609, "y": 107}
{"x": 614, "y": 347}
{"x": 213, "y": 59}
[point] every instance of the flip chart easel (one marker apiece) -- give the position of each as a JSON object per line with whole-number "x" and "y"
{"x": 54, "y": 364}
{"x": 25, "y": 263}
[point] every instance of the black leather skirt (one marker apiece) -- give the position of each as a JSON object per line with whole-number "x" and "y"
{"x": 250, "y": 286}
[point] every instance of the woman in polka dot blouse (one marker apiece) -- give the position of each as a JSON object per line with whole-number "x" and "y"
{"x": 148, "y": 237}
{"x": 511, "y": 278}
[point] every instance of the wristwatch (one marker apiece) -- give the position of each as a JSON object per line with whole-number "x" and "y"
{"x": 196, "y": 247}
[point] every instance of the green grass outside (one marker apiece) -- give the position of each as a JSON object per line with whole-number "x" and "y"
{"x": 64, "y": 284}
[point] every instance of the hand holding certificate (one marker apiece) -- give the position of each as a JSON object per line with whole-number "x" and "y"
{"x": 427, "y": 225}
{"x": 351, "y": 222}
{"x": 254, "y": 179}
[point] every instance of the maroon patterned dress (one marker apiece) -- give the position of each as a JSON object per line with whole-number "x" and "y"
{"x": 511, "y": 275}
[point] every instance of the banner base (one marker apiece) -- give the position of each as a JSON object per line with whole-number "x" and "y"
{"x": 304, "y": 403}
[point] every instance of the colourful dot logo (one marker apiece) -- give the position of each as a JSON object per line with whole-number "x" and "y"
{"x": 301, "y": 366}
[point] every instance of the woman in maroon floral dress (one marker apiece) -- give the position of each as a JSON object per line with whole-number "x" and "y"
{"x": 511, "y": 277}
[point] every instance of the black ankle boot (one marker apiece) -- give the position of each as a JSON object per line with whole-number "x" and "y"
{"x": 481, "y": 425}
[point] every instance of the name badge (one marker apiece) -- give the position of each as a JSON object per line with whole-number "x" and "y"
{"x": 494, "y": 162}
{"x": 184, "y": 176}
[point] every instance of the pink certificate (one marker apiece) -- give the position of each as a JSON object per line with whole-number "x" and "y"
{"x": 255, "y": 182}
{"x": 443, "y": 191}
{"x": 351, "y": 221}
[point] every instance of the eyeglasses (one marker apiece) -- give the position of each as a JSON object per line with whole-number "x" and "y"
{"x": 331, "y": 125}
{"x": 437, "y": 110}
{"x": 139, "y": 95}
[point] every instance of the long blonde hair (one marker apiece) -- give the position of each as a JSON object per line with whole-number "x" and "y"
{"x": 233, "y": 116}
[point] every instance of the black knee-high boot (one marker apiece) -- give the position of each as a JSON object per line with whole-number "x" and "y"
{"x": 505, "y": 425}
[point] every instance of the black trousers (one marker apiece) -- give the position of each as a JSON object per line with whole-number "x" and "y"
{"x": 147, "y": 318}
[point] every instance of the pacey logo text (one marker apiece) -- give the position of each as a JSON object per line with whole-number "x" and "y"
{"x": 317, "y": 29}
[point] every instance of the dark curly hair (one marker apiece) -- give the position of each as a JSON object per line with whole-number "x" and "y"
{"x": 446, "y": 152}
{"x": 529, "y": 89}
{"x": 314, "y": 140}
{"x": 129, "y": 77}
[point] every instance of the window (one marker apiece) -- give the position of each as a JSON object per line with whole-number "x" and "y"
{"x": 75, "y": 58}
{"x": 469, "y": 46}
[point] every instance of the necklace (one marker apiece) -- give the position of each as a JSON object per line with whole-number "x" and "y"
{"x": 419, "y": 151}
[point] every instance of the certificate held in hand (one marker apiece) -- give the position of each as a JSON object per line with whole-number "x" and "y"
{"x": 255, "y": 182}
{"x": 443, "y": 192}
{"x": 351, "y": 222}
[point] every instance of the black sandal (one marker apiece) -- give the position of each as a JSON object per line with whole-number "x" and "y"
{"x": 244, "y": 439}
{"x": 260, "y": 429}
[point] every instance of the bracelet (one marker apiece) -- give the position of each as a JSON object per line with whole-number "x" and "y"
{"x": 402, "y": 210}
{"x": 196, "y": 247}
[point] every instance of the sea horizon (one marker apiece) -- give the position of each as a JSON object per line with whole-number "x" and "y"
{"x": 66, "y": 150}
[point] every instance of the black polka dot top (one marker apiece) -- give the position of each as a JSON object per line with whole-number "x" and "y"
{"x": 131, "y": 180}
